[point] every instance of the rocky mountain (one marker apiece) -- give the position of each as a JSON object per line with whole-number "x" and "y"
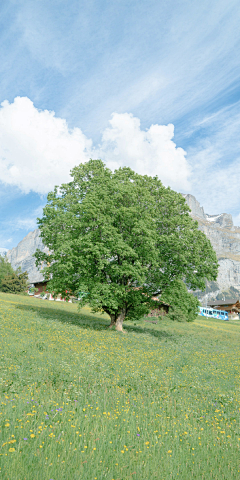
{"x": 3, "y": 252}
{"x": 225, "y": 239}
{"x": 22, "y": 255}
{"x": 223, "y": 235}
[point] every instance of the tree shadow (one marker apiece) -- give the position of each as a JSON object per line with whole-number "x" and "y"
{"x": 160, "y": 334}
{"x": 74, "y": 318}
{"x": 90, "y": 322}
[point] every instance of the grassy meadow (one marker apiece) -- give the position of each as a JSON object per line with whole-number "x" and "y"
{"x": 79, "y": 401}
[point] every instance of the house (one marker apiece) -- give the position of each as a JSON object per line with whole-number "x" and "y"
{"x": 42, "y": 287}
{"x": 231, "y": 306}
{"x": 161, "y": 309}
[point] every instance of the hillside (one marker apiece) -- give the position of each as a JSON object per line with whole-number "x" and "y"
{"x": 80, "y": 401}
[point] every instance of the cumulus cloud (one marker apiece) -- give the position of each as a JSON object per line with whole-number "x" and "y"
{"x": 151, "y": 152}
{"x": 38, "y": 150}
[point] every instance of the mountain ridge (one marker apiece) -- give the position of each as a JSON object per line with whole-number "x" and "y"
{"x": 225, "y": 239}
{"x": 22, "y": 255}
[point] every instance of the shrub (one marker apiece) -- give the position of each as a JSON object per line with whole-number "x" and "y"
{"x": 184, "y": 306}
{"x": 15, "y": 282}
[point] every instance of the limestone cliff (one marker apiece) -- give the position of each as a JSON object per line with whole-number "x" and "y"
{"x": 22, "y": 255}
{"x": 225, "y": 239}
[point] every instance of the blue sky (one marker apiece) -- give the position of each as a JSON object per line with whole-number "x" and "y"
{"x": 153, "y": 85}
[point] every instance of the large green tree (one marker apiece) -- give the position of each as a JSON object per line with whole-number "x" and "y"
{"x": 121, "y": 238}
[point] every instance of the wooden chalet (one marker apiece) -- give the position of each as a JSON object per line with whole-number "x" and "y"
{"x": 41, "y": 287}
{"x": 231, "y": 306}
{"x": 161, "y": 309}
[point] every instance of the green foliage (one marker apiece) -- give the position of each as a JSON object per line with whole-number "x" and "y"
{"x": 15, "y": 282}
{"x": 184, "y": 306}
{"x": 5, "y": 268}
{"x": 33, "y": 290}
{"x": 121, "y": 238}
{"x": 12, "y": 281}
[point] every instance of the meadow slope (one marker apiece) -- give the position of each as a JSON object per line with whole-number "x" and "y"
{"x": 79, "y": 401}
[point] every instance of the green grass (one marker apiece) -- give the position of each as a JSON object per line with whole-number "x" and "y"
{"x": 160, "y": 402}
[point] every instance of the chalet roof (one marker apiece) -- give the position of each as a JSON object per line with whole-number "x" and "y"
{"x": 156, "y": 299}
{"x": 223, "y": 302}
{"x": 39, "y": 282}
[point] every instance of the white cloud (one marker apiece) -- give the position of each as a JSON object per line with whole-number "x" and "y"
{"x": 37, "y": 149}
{"x": 28, "y": 223}
{"x": 215, "y": 161}
{"x": 151, "y": 152}
{"x": 22, "y": 222}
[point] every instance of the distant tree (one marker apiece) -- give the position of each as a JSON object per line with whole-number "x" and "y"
{"x": 121, "y": 238}
{"x": 184, "y": 306}
{"x": 5, "y": 268}
{"x": 15, "y": 282}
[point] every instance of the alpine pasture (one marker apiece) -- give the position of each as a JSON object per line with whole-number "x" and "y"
{"x": 79, "y": 401}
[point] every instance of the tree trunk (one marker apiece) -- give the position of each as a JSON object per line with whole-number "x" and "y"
{"x": 119, "y": 321}
{"x": 113, "y": 320}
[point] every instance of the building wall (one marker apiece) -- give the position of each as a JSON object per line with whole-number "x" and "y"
{"x": 158, "y": 312}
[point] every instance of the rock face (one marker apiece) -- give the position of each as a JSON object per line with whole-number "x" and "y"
{"x": 225, "y": 239}
{"x": 22, "y": 255}
{"x": 196, "y": 210}
{"x": 3, "y": 251}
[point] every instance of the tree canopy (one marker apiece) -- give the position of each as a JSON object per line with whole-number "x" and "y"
{"x": 122, "y": 238}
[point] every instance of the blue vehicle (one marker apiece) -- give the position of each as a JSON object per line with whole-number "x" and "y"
{"x": 211, "y": 312}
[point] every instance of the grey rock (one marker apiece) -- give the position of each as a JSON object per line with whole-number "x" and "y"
{"x": 22, "y": 255}
{"x": 225, "y": 239}
{"x": 194, "y": 205}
